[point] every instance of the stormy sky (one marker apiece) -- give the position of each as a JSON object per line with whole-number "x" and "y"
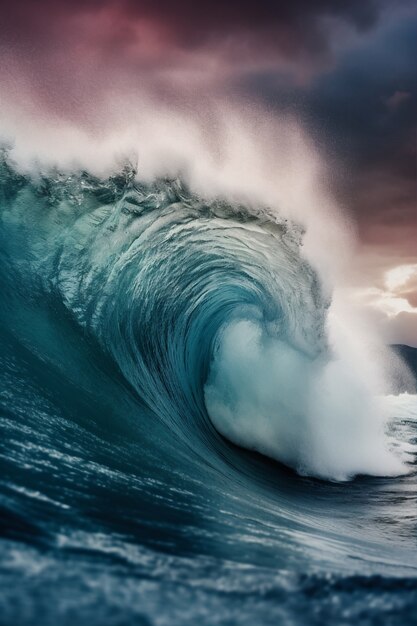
{"x": 346, "y": 70}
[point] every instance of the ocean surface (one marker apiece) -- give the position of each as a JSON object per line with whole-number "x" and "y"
{"x": 181, "y": 442}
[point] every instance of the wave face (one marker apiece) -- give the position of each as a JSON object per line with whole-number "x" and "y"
{"x": 146, "y": 332}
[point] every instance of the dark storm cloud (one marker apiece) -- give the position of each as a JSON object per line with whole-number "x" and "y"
{"x": 288, "y": 26}
{"x": 368, "y": 103}
{"x": 365, "y": 106}
{"x": 367, "y": 112}
{"x": 363, "y": 114}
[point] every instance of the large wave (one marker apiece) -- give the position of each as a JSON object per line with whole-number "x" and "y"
{"x": 211, "y": 311}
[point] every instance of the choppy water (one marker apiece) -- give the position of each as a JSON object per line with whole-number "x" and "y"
{"x": 142, "y": 332}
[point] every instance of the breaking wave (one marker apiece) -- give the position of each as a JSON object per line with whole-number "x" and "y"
{"x": 209, "y": 310}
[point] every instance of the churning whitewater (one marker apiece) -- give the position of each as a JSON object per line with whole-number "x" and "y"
{"x": 160, "y": 353}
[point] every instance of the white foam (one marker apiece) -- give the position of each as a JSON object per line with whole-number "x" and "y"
{"x": 322, "y": 417}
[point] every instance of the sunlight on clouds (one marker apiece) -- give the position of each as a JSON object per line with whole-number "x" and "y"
{"x": 391, "y": 305}
{"x": 398, "y": 276}
{"x": 386, "y": 302}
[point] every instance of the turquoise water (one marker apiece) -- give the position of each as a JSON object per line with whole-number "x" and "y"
{"x": 180, "y": 444}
